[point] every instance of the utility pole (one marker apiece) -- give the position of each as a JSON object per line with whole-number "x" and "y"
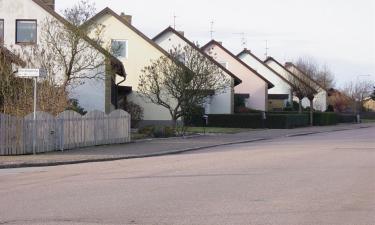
{"x": 212, "y": 30}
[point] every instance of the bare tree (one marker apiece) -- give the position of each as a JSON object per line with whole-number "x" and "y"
{"x": 16, "y": 94}
{"x": 357, "y": 92}
{"x": 321, "y": 74}
{"x": 181, "y": 82}
{"x": 304, "y": 86}
{"x": 66, "y": 53}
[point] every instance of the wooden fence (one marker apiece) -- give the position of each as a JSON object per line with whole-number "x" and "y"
{"x": 68, "y": 130}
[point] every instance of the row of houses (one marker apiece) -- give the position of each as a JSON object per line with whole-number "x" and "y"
{"x": 263, "y": 83}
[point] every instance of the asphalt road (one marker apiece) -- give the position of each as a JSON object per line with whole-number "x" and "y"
{"x": 308, "y": 180}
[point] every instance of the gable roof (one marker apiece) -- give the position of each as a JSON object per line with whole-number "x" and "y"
{"x": 117, "y": 64}
{"x": 246, "y": 51}
{"x": 170, "y": 29}
{"x": 109, "y": 11}
{"x": 269, "y": 58}
{"x": 213, "y": 42}
{"x": 289, "y": 64}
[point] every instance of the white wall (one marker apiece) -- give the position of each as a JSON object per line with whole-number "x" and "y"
{"x": 91, "y": 95}
{"x": 140, "y": 54}
{"x": 221, "y": 102}
{"x": 280, "y": 86}
{"x": 251, "y": 84}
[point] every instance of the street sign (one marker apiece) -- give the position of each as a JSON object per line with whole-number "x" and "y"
{"x": 31, "y": 73}
{"x": 34, "y": 74}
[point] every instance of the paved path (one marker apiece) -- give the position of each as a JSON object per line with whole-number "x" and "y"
{"x": 159, "y": 146}
{"x": 320, "y": 179}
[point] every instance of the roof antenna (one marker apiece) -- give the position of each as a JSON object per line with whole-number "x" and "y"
{"x": 243, "y": 39}
{"x": 212, "y": 29}
{"x": 174, "y": 20}
{"x": 266, "y": 53}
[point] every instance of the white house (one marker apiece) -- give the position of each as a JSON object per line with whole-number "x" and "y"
{"x": 254, "y": 87}
{"x": 282, "y": 92}
{"x": 320, "y": 100}
{"x": 136, "y": 51}
{"x": 21, "y": 27}
{"x": 220, "y": 103}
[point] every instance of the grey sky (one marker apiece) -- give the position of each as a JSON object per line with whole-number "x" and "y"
{"x": 340, "y": 33}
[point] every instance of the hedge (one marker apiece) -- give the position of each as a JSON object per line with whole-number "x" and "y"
{"x": 324, "y": 118}
{"x": 235, "y": 120}
{"x": 287, "y": 121}
{"x": 346, "y": 118}
{"x": 275, "y": 120}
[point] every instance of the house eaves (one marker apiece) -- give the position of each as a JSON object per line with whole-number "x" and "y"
{"x": 115, "y": 63}
{"x": 213, "y": 42}
{"x": 237, "y": 80}
{"x": 246, "y": 51}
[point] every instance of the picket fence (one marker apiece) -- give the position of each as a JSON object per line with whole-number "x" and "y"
{"x": 68, "y": 130}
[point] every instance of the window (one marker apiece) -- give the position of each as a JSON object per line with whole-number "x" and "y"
{"x": 119, "y": 48}
{"x": 26, "y": 31}
{"x": 1, "y": 31}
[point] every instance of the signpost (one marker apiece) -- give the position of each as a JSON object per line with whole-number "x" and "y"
{"x": 33, "y": 74}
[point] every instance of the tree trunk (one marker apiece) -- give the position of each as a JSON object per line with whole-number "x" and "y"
{"x": 311, "y": 112}
{"x": 299, "y": 105}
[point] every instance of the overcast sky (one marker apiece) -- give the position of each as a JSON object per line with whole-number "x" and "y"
{"x": 339, "y": 33}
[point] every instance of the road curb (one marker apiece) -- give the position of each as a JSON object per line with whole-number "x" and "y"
{"x": 163, "y": 153}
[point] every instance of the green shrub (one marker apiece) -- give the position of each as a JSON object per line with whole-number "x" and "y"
{"x": 287, "y": 121}
{"x": 158, "y": 131}
{"x": 235, "y": 120}
{"x": 195, "y": 117}
{"x": 324, "y": 118}
{"x": 136, "y": 113}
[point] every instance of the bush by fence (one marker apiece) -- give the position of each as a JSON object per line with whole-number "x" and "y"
{"x": 68, "y": 130}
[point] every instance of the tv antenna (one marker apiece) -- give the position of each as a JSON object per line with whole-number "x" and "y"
{"x": 174, "y": 20}
{"x": 243, "y": 39}
{"x": 212, "y": 29}
{"x": 266, "y": 53}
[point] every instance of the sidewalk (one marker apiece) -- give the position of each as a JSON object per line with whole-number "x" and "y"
{"x": 158, "y": 147}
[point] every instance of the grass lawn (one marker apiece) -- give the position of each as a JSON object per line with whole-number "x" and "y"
{"x": 216, "y": 130}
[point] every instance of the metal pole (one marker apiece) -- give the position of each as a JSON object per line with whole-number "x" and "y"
{"x": 34, "y": 116}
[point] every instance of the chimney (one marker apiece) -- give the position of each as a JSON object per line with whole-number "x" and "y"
{"x": 49, "y": 3}
{"x": 128, "y": 18}
{"x": 288, "y": 64}
{"x": 181, "y": 32}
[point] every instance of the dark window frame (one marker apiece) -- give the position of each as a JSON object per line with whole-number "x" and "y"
{"x": 36, "y": 33}
{"x": 3, "y": 31}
